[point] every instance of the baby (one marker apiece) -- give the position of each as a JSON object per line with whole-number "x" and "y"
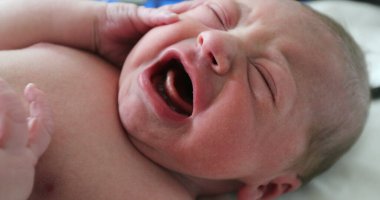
{"x": 268, "y": 93}
{"x": 251, "y": 96}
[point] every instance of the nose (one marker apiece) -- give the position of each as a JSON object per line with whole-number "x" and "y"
{"x": 220, "y": 48}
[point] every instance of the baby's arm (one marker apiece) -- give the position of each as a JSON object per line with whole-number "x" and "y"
{"x": 26, "y": 22}
{"x": 108, "y": 29}
{"x": 23, "y": 139}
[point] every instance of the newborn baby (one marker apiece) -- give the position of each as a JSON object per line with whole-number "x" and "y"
{"x": 236, "y": 96}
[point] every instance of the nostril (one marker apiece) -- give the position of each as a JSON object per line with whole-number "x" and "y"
{"x": 213, "y": 60}
{"x": 200, "y": 40}
{"x": 206, "y": 48}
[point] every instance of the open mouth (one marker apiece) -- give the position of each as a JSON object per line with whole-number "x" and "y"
{"x": 174, "y": 85}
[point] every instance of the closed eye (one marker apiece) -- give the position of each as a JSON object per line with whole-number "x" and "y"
{"x": 217, "y": 15}
{"x": 268, "y": 81}
{"x": 266, "y": 76}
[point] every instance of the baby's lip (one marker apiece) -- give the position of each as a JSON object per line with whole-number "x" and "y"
{"x": 168, "y": 93}
{"x": 198, "y": 69}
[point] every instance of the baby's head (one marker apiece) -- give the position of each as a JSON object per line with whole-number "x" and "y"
{"x": 339, "y": 107}
{"x": 249, "y": 91}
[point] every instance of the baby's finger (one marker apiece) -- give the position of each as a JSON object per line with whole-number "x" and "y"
{"x": 137, "y": 18}
{"x": 40, "y": 121}
{"x": 154, "y": 17}
{"x": 179, "y": 7}
{"x": 182, "y": 6}
{"x": 13, "y": 128}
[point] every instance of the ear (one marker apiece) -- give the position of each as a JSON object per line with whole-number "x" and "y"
{"x": 271, "y": 190}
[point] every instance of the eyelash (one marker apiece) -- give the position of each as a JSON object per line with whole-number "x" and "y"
{"x": 259, "y": 69}
{"x": 220, "y": 19}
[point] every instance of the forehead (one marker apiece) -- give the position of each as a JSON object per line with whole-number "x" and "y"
{"x": 290, "y": 26}
{"x": 237, "y": 13}
{"x": 282, "y": 12}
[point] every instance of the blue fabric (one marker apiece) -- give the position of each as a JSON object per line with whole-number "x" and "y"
{"x": 157, "y": 3}
{"x": 150, "y": 3}
{"x": 109, "y": 1}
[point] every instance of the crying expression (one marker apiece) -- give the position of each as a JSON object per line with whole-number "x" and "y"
{"x": 206, "y": 94}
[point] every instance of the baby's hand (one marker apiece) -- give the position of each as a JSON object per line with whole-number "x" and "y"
{"x": 23, "y": 139}
{"x": 183, "y": 6}
{"x": 123, "y": 25}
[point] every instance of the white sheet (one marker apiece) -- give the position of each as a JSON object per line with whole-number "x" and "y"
{"x": 357, "y": 175}
{"x": 362, "y": 20}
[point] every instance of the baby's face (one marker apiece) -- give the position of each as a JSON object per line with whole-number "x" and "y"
{"x": 214, "y": 95}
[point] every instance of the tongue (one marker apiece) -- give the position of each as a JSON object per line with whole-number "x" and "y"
{"x": 173, "y": 93}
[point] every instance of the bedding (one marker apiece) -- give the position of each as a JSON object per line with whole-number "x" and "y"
{"x": 357, "y": 174}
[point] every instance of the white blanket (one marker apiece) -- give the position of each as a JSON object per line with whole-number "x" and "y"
{"x": 362, "y": 20}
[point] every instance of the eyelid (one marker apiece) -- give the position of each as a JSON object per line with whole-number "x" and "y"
{"x": 214, "y": 8}
{"x": 268, "y": 80}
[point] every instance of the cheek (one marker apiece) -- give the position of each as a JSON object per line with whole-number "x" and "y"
{"x": 131, "y": 106}
{"x": 232, "y": 115}
{"x": 128, "y": 108}
{"x": 222, "y": 155}
{"x": 225, "y": 139}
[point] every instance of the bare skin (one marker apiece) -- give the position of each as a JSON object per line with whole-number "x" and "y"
{"x": 90, "y": 156}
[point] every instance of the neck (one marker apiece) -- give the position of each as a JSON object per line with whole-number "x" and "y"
{"x": 203, "y": 187}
